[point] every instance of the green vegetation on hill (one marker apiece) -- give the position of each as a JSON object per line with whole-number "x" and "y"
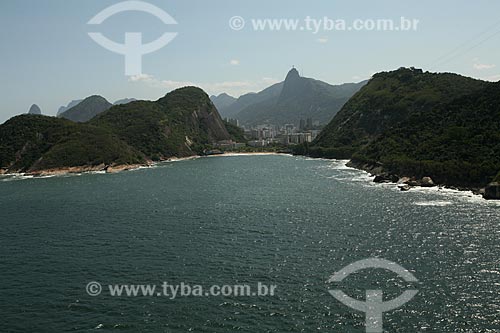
{"x": 235, "y": 132}
{"x": 30, "y": 143}
{"x": 455, "y": 143}
{"x": 388, "y": 99}
{"x": 411, "y": 123}
{"x": 140, "y": 125}
{"x": 182, "y": 123}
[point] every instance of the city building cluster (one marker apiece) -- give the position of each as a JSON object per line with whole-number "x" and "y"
{"x": 289, "y": 134}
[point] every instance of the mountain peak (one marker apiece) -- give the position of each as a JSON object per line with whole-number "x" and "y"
{"x": 292, "y": 74}
{"x": 35, "y": 109}
{"x": 71, "y": 104}
{"x": 124, "y": 101}
{"x": 87, "y": 109}
{"x": 294, "y": 84}
{"x": 222, "y": 101}
{"x": 95, "y": 98}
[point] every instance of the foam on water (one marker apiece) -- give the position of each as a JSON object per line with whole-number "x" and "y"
{"x": 15, "y": 176}
{"x": 348, "y": 174}
{"x": 341, "y": 165}
{"x": 248, "y": 154}
{"x": 345, "y": 173}
{"x": 436, "y": 203}
{"x": 176, "y": 159}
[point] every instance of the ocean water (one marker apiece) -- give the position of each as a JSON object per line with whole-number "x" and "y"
{"x": 286, "y": 221}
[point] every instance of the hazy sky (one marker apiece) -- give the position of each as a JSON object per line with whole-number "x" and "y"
{"x": 47, "y": 57}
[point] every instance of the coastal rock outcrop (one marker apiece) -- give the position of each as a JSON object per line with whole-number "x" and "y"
{"x": 403, "y": 183}
{"x": 492, "y": 191}
{"x": 386, "y": 178}
{"x": 404, "y": 187}
{"x": 427, "y": 182}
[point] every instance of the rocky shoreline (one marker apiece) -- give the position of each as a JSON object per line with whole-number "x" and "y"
{"x": 114, "y": 168}
{"x": 404, "y": 183}
{"x": 78, "y": 169}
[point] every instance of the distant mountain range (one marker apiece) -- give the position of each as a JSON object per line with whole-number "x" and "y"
{"x": 223, "y": 101}
{"x": 71, "y": 104}
{"x": 288, "y": 101}
{"x": 87, "y": 109}
{"x": 94, "y": 105}
{"x": 413, "y": 123}
{"x": 183, "y": 123}
{"x": 124, "y": 101}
